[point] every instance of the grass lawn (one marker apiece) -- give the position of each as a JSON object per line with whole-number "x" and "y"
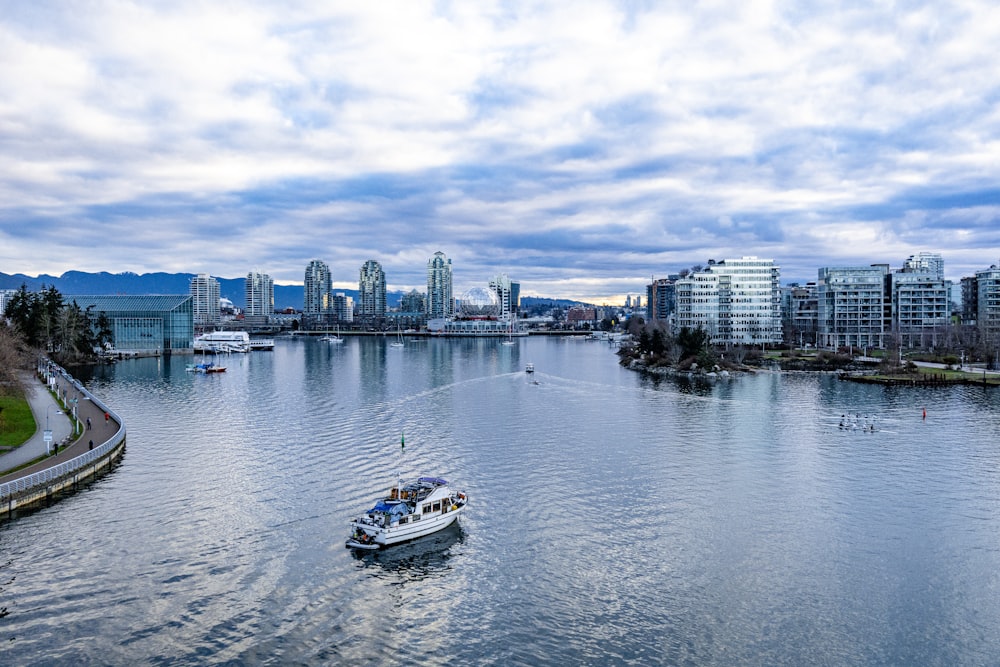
{"x": 16, "y": 421}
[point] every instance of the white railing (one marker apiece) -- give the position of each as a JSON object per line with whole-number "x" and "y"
{"x": 61, "y": 470}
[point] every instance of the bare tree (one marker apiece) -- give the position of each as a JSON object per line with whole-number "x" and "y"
{"x": 14, "y": 359}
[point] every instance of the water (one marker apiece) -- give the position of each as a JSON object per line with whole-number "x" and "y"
{"x": 613, "y": 519}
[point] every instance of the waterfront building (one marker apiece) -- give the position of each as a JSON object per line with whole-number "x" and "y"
{"x": 144, "y": 325}
{"x": 317, "y": 307}
{"x": 970, "y": 300}
{"x": 799, "y": 313}
{"x": 737, "y": 301}
{"x": 478, "y": 315}
{"x": 988, "y": 303}
{"x": 508, "y": 292}
{"x": 440, "y": 303}
{"x": 413, "y": 302}
{"x": 205, "y": 300}
{"x": 920, "y": 307}
{"x": 851, "y": 303}
{"x": 661, "y": 298}
{"x": 371, "y": 290}
{"x": 259, "y": 298}
{"x": 577, "y": 315}
{"x": 412, "y": 313}
{"x": 343, "y": 307}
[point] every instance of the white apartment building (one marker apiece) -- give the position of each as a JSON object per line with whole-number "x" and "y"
{"x": 921, "y": 307}
{"x": 737, "y": 301}
{"x": 205, "y": 300}
{"x": 259, "y": 297}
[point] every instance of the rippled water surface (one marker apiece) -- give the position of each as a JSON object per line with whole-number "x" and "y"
{"x": 613, "y": 519}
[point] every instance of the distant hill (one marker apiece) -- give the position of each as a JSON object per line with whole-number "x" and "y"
{"x": 542, "y": 302}
{"x": 79, "y": 282}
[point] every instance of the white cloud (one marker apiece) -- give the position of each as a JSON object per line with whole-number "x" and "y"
{"x": 812, "y": 132}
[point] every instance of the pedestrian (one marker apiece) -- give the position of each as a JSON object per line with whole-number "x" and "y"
{"x": 106, "y": 417}
{"x": 89, "y": 426}
{"x": 91, "y": 444}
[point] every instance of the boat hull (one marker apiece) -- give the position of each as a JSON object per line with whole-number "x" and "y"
{"x": 386, "y": 537}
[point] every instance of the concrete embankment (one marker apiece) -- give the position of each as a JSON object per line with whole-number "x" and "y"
{"x": 93, "y": 441}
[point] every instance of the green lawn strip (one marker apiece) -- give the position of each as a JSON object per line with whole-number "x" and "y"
{"x": 17, "y": 424}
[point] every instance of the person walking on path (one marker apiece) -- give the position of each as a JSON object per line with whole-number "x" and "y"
{"x": 89, "y": 425}
{"x": 106, "y": 417}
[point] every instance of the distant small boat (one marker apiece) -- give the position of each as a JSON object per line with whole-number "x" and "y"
{"x": 206, "y": 368}
{"x": 530, "y": 368}
{"x": 336, "y": 340}
{"x": 417, "y": 508}
{"x": 399, "y": 339}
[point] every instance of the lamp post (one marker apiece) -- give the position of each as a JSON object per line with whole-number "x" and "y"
{"x": 47, "y": 435}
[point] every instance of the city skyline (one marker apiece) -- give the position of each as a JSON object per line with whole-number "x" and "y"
{"x": 581, "y": 147}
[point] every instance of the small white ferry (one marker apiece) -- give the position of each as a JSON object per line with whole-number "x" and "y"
{"x": 411, "y": 510}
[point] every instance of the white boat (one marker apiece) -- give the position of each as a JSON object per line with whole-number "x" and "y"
{"x": 530, "y": 368}
{"x": 223, "y": 341}
{"x": 336, "y": 340}
{"x": 408, "y": 511}
{"x": 399, "y": 339}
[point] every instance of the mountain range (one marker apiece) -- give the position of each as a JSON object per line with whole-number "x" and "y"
{"x": 285, "y": 296}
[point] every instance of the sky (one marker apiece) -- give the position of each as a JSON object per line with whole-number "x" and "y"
{"x": 580, "y": 147}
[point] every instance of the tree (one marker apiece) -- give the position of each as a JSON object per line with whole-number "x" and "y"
{"x": 692, "y": 341}
{"x": 104, "y": 335}
{"x": 14, "y": 358}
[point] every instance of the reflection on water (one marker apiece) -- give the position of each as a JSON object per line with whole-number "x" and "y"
{"x": 420, "y": 559}
{"x": 615, "y": 518}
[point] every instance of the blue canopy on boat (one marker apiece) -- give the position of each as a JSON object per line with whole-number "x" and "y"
{"x": 434, "y": 480}
{"x": 390, "y": 507}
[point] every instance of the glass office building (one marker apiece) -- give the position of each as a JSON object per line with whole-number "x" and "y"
{"x": 147, "y": 324}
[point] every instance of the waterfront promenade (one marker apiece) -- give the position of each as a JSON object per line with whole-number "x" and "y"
{"x": 45, "y": 408}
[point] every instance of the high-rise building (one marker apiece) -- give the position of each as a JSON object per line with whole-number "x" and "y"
{"x": 508, "y": 294}
{"x": 851, "y": 305}
{"x": 371, "y": 290}
{"x": 205, "y": 300}
{"x": 316, "y": 303}
{"x": 440, "y": 302}
{"x": 737, "y": 301}
{"x": 259, "y": 298}
{"x": 661, "y": 298}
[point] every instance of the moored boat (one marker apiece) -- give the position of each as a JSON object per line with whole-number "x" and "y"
{"x": 209, "y": 368}
{"x": 408, "y": 511}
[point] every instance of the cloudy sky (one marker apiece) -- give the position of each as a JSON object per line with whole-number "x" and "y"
{"x": 581, "y": 147}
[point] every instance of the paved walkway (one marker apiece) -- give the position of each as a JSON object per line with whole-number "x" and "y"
{"x": 42, "y": 402}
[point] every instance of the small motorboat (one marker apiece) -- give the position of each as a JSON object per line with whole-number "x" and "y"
{"x": 408, "y": 511}
{"x": 209, "y": 368}
{"x": 530, "y": 368}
